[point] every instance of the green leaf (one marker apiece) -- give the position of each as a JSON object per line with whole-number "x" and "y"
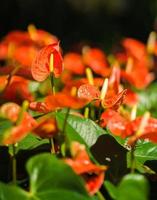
{"x": 5, "y": 125}
{"x": 15, "y": 193}
{"x": 147, "y": 100}
{"x": 145, "y": 151}
{"x": 50, "y": 178}
{"x": 83, "y": 130}
{"x": 112, "y": 189}
{"x": 8, "y": 192}
{"x": 133, "y": 186}
{"x": 28, "y": 143}
{"x": 43, "y": 170}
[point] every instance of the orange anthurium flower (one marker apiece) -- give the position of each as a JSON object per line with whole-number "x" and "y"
{"x": 149, "y": 131}
{"x": 3, "y": 82}
{"x": 41, "y": 65}
{"x": 24, "y": 55}
{"x": 93, "y": 58}
{"x": 90, "y": 93}
{"x": 131, "y": 98}
{"x": 17, "y": 90}
{"x": 73, "y": 62}
{"x": 46, "y": 128}
{"x": 81, "y": 164}
{"x": 96, "y": 60}
{"x": 22, "y": 71}
{"x": 19, "y": 131}
{"x": 135, "y": 48}
{"x": 116, "y": 123}
{"x": 57, "y": 101}
{"x": 124, "y": 127}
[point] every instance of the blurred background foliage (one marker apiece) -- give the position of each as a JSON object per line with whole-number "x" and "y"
{"x": 100, "y": 22}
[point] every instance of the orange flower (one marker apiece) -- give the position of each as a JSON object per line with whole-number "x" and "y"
{"x": 90, "y": 93}
{"x": 81, "y": 164}
{"x": 41, "y": 66}
{"x": 19, "y": 131}
{"x": 17, "y": 91}
{"x": 93, "y": 58}
{"x": 57, "y": 101}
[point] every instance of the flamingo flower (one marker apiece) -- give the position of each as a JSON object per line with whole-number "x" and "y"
{"x": 47, "y": 60}
{"x": 109, "y": 97}
{"x": 82, "y": 165}
{"x": 19, "y": 130}
{"x": 144, "y": 127}
{"x": 93, "y": 58}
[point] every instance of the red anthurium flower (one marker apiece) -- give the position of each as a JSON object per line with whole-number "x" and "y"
{"x": 3, "y": 82}
{"x": 73, "y": 63}
{"x": 116, "y": 123}
{"x": 131, "y": 98}
{"x": 93, "y": 58}
{"x": 19, "y": 131}
{"x": 57, "y": 101}
{"x": 24, "y": 55}
{"x": 139, "y": 128}
{"x": 41, "y": 65}
{"x": 134, "y": 48}
{"x": 149, "y": 131}
{"x": 81, "y": 164}
{"x": 22, "y": 71}
{"x": 96, "y": 60}
{"x": 90, "y": 92}
{"x": 17, "y": 90}
{"x": 46, "y": 128}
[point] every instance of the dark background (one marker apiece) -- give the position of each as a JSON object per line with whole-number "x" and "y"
{"x": 97, "y": 21}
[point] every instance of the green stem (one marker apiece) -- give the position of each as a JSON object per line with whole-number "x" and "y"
{"x": 53, "y": 92}
{"x": 14, "y": 178}
{"x": 52, "y": 83}
{"x": 132, "y": 157}
{"x": 24, "y": 107}
{"x": 52, "y": 145}
{"x": 100, "y": 196}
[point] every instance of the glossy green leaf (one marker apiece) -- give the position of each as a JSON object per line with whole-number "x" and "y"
{"x": 15, "y": 193}
{"x": 145, "y": 151}
{"x": 5, "y": 125}
{"x": 50, "y": 178}
{"x": 29, "y": 142}
{"x": 112, "y": 189}
{"x": 80, "y": 129}
{"x": 133, "y": 186}
{"x": 147, "y": 100}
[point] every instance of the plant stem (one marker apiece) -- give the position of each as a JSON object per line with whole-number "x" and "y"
{"x": 100, "y": 196}
{"x": 14, "y": 178}
{"x": 132, "y": 159}
{"x": 51, "y": 141}
{"x": 52, "y": 145}
{"x": 52, "y": 83}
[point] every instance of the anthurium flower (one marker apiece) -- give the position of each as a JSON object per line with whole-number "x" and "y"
{"x": 18, "y": 131}
{"x": 93, "y": 58}
{"x": 135, "y": 48}
{"x": 46, "y": 128}
{"x": 41, "y": 37}
{"x": 47, "y": 60}
{"x": 90, "y": 93}
{"x": 125, "y": 127}
{"x": 73, "y": 63}
{"x": 18, "y": 90}
{"x": 116, "y": 123}
{"x": 57, "y": 101}
{"x": 82, "y": 165}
